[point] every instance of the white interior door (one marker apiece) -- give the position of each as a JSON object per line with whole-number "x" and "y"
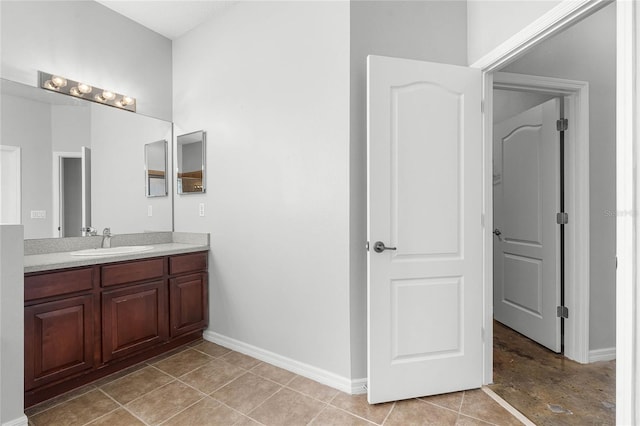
{"x": 425, "y": 296}
{"x": 86, "y": 189}
{"x": 10, "y": 185}
{"x": 526, "y": 199}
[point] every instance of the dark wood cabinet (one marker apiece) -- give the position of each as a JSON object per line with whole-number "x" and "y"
{"x": 84, "y": 323}
{"x": 133, "y": 318}
{"x": 58, "y": 339}
{"x": 188, "y": 302}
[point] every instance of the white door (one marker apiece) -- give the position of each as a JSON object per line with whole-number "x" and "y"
{"x": 10, "y": 185}
{"x": 86, "y": 189}
{"x": 526, "y": 197}
{"x": 425, "y": 296}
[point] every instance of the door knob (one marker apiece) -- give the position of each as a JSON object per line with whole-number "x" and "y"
{"x": 379, "y": 247}
{"x": 498, "y": 234}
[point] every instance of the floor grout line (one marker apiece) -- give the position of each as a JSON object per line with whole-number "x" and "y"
{"x": 121, "y": 406}
{"x": 184, "y": 409}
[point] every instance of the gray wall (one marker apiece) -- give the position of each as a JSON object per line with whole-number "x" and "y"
{"x": 587, "y": 52}
{"x": 276, "y": 111}
{"x": 27, "y": 124}
{"x": 85, "y": 41}
{"x": 11, "y": 326}
{"x": 427, "y": 30}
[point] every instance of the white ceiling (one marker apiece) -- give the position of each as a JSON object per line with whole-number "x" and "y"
{"x": 171, "y": 18}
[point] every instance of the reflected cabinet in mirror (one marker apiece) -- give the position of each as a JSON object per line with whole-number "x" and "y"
{"x": 155, "y": 169}
{"x": 190, "y": 163}
{"x": 56, "y": 188}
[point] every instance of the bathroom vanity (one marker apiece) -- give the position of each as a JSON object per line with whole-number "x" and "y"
{"x": 86, "y": 318}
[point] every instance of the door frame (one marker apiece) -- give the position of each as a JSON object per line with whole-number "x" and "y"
{"x": 575, "y": 95}
{"x": 565, "y": 14}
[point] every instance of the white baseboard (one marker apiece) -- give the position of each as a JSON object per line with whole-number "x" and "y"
{"x": 356, "y": 386}
{"x": 20, "y": 421}
{"x": 606, "y": 354}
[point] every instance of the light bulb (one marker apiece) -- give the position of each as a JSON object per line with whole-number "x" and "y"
{"x": 84, "y": 88}
{"x": 58, "y": 81}
{"x": 100, "y": 98}
{"x": 76, "y": 92}
{"x": 49, "y": 85}
{"x": 126, "y": 100}
{"x": 109, "y": 96}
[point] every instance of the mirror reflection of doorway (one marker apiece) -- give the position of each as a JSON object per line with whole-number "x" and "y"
{"x": 71, "y": 193}
{"x": 70, "y": 197}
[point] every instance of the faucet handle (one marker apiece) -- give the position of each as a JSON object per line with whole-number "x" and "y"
{"x": 90, "y": 231}
{"x": 106, "y": 232}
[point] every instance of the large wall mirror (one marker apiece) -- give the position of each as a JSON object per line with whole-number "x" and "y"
{"x": 155, "y": 169}
{"x": 190, "y": 163}
{"x": 79, "y": 164}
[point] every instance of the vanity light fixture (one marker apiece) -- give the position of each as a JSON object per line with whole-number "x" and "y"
{"x": 79, "y": 90}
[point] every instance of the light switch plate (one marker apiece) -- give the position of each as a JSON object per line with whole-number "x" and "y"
{"x": 201, "y": 209}
{"x": 149, "y": 211}
{"x": 38, "y": 214}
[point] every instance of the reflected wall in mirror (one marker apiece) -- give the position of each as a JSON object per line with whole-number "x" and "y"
{"x": 155, "y": 168}
{"x": 190, "y": 163}
{"x": 48, "y": 128}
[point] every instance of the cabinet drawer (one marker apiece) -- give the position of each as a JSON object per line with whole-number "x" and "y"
{"x": 139, "y": 270}
{"x": 193, "y": 262}
{"x": 57, "y": 283}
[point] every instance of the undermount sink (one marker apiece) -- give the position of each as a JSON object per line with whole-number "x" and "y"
{"x": 111, "y": 251}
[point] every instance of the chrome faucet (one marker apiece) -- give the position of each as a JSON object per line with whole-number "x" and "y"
{"x": 106, "y": 238}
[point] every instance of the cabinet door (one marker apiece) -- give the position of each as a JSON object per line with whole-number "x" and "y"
{"x": 58, "y": 339}
{"x": 133, "y": 318}
{"x": 189, "y": 303}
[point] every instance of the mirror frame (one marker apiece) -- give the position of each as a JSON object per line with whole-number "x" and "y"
{"x": 203, "y": 140}
{"x": 147, "y": 176}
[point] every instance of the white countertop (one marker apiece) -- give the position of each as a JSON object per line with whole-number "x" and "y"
{"x": 60, "y": 260}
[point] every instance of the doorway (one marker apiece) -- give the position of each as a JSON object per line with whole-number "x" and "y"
{"x": 552, "y": 59}
{"x": 71, "y": 193}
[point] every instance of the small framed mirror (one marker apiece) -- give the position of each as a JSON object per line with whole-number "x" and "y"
{"x": 190, "y": 163}
{"x": 155, "y": 169}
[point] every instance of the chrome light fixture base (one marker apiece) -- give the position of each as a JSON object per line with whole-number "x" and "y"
{"x": 56, "y": 83}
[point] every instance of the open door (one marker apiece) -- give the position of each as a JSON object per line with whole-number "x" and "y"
{"x": 526, "y": 246}
{"x": 425, "y": 282}
{"x": 86, "y": 190}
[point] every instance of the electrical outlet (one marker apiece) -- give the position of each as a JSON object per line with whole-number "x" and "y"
{"x": 149, "y": 211}
{"x": 201, "y": 209}
{"x": 38, "y": 214}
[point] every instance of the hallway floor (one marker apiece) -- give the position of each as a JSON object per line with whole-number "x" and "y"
{"x": 206, "y": 384}
{"x": 548, "y": 388}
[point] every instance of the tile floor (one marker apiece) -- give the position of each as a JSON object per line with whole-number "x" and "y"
{"x": 207, "y": 384}
{"x": 548, "y": 388}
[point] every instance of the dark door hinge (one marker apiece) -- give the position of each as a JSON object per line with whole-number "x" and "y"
{"x": 563, "y": 312}
{"x": 562, "y": 218}
{"x": 562, "y": 124}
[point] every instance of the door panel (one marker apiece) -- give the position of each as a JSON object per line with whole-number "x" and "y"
{"x": 422, "y": 171}
{"x": 526, "y": 200}
{"x": 424, "y": 199}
